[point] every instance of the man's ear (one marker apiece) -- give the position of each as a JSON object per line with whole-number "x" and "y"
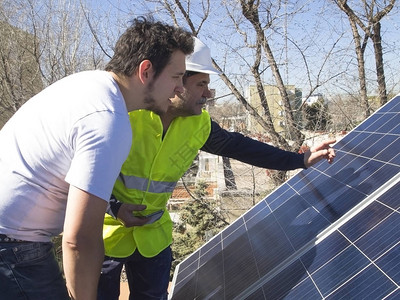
{"x": 145, "y": 71}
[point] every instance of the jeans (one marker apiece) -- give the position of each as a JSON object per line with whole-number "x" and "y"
{"x": 29, "y": 270}
{"x": 148, "y": 278}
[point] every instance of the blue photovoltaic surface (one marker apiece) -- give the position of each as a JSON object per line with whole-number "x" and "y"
{"x": 330, "y": 232}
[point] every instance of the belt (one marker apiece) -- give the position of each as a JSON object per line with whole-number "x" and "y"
{"x": 5, "y": 239}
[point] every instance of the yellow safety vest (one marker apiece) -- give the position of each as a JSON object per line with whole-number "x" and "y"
{"x": 149, "y": 175}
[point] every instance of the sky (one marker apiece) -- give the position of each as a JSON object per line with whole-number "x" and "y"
{"x": 317, "y": 30}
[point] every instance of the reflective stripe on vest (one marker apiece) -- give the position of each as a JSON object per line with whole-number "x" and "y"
{"x": 149, "y": 175}
{"x": 146, "y": 185}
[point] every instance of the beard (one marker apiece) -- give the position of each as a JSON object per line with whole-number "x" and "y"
{"x": 151, "y": 105}
{"x": 179, "y": 105}
{"x": 150, "y": 102}
{"x": 184, "y": 105}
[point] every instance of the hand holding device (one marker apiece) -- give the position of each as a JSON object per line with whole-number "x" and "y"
{"x": 151, "y": 218}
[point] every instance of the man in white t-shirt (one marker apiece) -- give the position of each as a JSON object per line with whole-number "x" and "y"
{"x": 61, "y": 153}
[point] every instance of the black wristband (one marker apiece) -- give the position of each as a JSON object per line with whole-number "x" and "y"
{"x": 113, "y": 207}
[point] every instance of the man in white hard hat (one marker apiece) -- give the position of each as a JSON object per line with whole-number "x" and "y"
{"x": 163, "y": 148}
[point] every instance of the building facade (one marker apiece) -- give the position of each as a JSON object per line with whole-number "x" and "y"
{"x": 275, "y": 105}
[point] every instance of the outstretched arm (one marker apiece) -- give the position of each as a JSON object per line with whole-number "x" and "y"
{"x": 256, "y": 153}
{"x": 245, "y": 149}
{"x": 319, "y": 152}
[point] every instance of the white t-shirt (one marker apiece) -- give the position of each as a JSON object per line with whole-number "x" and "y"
{"x": 77, "y": 132}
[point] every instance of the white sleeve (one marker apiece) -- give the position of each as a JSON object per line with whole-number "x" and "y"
{"x": 100, "y": 143}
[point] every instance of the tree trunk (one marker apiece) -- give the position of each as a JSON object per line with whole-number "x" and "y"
{"x": 230, "y": 182}
{"x": 380, "y": 73}
{"x": 250, "y": 12}
{"x": 361, "y": 68}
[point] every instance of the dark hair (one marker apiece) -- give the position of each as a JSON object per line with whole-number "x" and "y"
{"x": 148, "y": 40}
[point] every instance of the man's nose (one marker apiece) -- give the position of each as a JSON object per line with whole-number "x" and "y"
{"x": 179, "y": 87}
{"x": 207, "y": 93}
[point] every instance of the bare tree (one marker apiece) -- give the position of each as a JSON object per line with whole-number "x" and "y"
{"x": 19, "y": 72}
{"x": 42, "y": 42}
{"x": 63, "y": 44}
{"x": 266, "y": 19}
{"x": 372, "y": 12}
{"x": 360, "y": 46}
{"x": 250, "y": 10}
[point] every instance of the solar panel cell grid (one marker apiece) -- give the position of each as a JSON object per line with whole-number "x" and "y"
{"x": 368, "y": 284}
{"x": 330, "y": 232}
{"x": 390, "y": 264}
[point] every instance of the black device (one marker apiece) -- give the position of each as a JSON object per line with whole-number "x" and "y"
{"x": 151, "y": 218}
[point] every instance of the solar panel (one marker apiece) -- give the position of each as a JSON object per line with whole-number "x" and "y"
{"x": 329, "y": 232}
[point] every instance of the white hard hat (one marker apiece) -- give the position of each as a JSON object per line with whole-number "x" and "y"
{"x": 200, "y": 59}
